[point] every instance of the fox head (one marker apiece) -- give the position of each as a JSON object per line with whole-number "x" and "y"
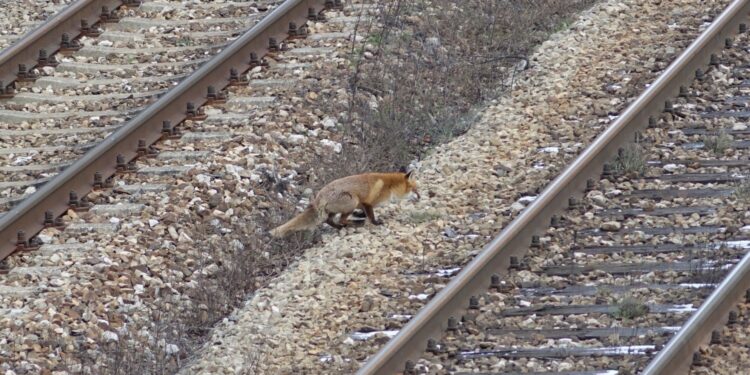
{"x": 409, "y": 185}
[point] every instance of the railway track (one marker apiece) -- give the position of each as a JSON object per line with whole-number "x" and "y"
{"x": 59, "y": 112}
{"x": 634, "y": 276}
{"x": 103, "y": 111}
{"x": 66, "y": 110}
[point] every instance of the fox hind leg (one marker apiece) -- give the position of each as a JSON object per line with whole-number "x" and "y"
{"x": 343, "y": 203}
{"x": 371, "y": 214}
{"x": 332, "y": 223}
{"x": 344, "y": 219}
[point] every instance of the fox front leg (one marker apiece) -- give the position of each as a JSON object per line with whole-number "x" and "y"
{"x": 371, "y": 214}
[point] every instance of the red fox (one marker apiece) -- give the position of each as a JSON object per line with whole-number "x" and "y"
{"x": 346, "y": 194}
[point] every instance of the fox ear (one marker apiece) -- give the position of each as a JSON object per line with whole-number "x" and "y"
{"x": 408, "y": 174}
{"x": 402, "y": 169}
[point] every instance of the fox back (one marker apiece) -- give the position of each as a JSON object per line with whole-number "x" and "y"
{"x": 369, "y": 188}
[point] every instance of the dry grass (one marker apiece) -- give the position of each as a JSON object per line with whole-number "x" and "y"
{"x": 742, "y": 191}
{"x": 429, "y": 63}
{"x": 631, "y": 159}
{"x": 630, "y": 308}
{"x": 718, "y": 143}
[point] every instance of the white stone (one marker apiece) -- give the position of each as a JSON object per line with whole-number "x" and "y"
{"x": 671, "y": 167}
{"x": 329, "y": 122}
{"x": 212, "y": 269}
{"x": 610, "y": 226}
{"x": 110, "y": 336}
{"x": 296, "y": 139}
{"x": 203, "y": 178}
{"x": 172, "y": 349}
{"x": 597, "y": 197}
{"x": 335, "y": 146}
{"x": 613, "y": 193}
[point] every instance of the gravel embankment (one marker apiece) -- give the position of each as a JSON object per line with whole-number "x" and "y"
{"x": 360, "y": 279}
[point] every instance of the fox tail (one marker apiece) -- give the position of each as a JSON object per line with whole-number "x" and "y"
{"x": 308, "y": 219}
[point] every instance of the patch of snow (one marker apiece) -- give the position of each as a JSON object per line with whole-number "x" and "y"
{"x": 740, "y": 244}
{"x": 671, "y": 167}
{"x": 682, "y": 308}
{"x": 364, "y": 336}
{"x": 447, "y": 272}
{"x": 697, "y": 285}
{"x": 527, "y": 199}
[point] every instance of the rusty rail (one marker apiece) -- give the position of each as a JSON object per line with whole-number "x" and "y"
{"x": 132, "y": 139}
{"x": 398, "y": 353}
{"x": 37, "y": 47}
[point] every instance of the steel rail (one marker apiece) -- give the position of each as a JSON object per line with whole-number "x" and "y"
{"x": 677, "y": 355}
{"x": 52, "y": 199}
{"x": 432, "y": 319}
{"x": 48, "y": 36}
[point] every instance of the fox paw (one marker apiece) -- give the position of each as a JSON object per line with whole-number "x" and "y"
{"x": 334, "y": 225}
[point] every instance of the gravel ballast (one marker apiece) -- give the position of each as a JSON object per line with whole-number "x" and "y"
{"x": 361, "y": 279}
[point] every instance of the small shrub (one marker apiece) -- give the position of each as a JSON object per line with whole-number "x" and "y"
{"x": 742, "y": 191}
{"x": 630, "y": 308}
{"x": 375, "y": 39}
{"x": 718, "y": 143}
{"x": 631, "y": 160}
{"x": 563, "y": 25}
{"x": 184, "y": 42}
